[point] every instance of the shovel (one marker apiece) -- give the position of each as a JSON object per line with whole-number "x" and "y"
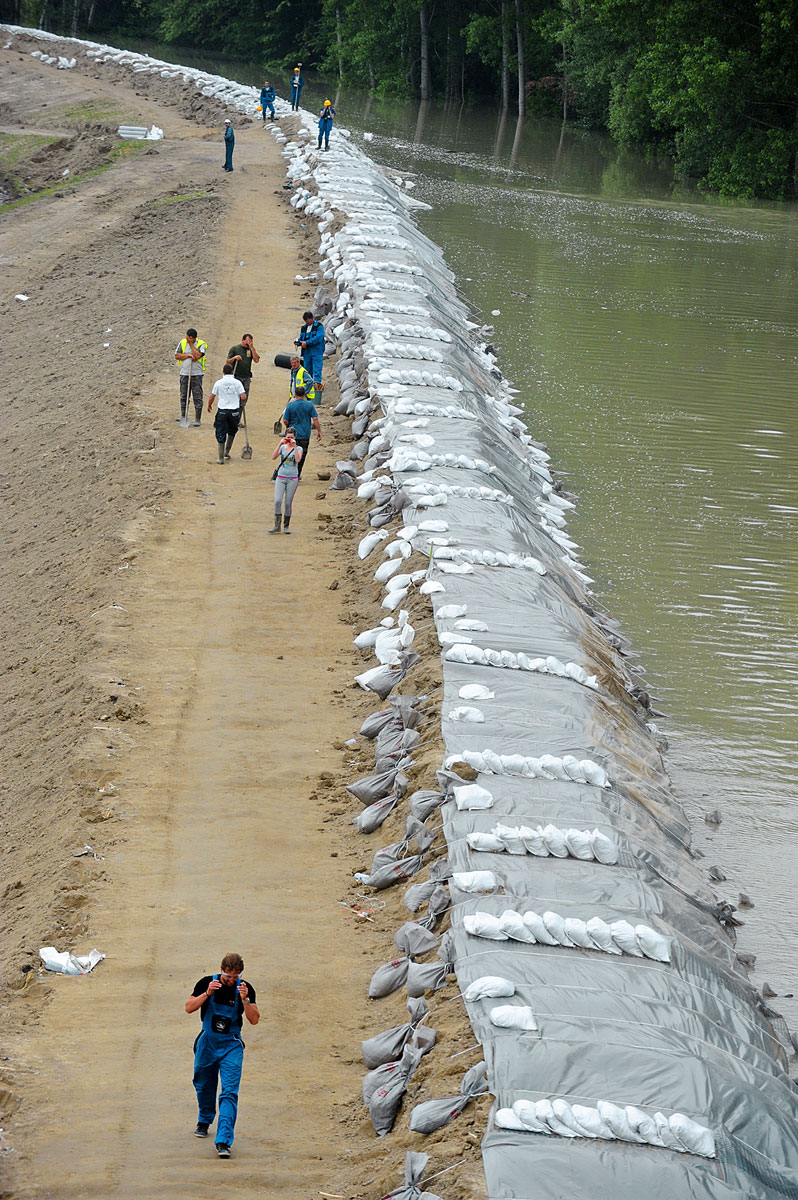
{"x": 247, "y": 451}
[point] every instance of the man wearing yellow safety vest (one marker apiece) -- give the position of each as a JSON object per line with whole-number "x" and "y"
{"x": 190, "y": 353}
{"x": 301, "y": 378}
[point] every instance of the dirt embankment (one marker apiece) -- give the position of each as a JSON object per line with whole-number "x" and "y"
{"x": 177, "y": 690}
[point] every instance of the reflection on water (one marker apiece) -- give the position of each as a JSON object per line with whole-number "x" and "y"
{"x": 653, "y": 336}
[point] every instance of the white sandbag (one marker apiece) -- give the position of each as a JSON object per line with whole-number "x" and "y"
{"x": 451, "y": 637}
{"x": 505, "y": 1118}
{"x": 475, "y": 691}
{"x": 526, "y": 1112}
{"x": 580, "y": 844}
{"x": 553, "y": 766}
{"x": 511, "y": 837}
{"x": 534, "y": 843}
{"x": 371, "y": 540}
{"x": 513, "y": 1016}
{"x": 394, "y": 599}
{"x": 431, "y": 587}
{"x": 576, "y": 930}
{"x": 601, "y": 935}
{"x": 399, "y": 582}
{"x": 564, "y": 1112}
{"x": 591, "y": 1122}
{"x": 62, "y": 962}
{"x": 475, "y": 881}
{"x": 556, "y": 927}
{"x": 544, "y": 1112}
{"x": 512, "y": 924}
{"x": 615, "y": 1118}
{"x": 654, "y": 945}
{"x": 604, "y": 849}
{"x": 488, "y": 986}
{"x": 624, "y": 936}
{"x": 484, "y": 842}
{"x": 554, "y": 666}
{"x": 696, "y": 1138}
{"x": 572, "y": 768}
{"x": 593, "y": 773}
{"x": 366, "y": 639}
{"x": 643, "y": 1125}
{"x": 466, "y": 713}
{"x": 484, "y": 925}
{"x": 471, "y": 796}
{"x": 472, "y": 624}
{"x": 554, "y": 839}
{"x": 666, "y": 1134}
{"x": 537, "y": 927}
{"x": 493, "y": 762}
{"x": 449, "y": 611}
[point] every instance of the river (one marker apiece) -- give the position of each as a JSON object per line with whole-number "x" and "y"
{"x": 652, "y": 333}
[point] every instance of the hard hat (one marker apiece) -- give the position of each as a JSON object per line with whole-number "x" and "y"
{"x": 327, "y": 103}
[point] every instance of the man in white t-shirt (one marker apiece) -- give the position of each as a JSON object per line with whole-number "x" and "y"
{"x": 229, "y": 393}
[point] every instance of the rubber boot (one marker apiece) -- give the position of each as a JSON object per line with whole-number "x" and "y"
{"x": 277, "y": 519}
{"x": 286, "y": 523}
{"x": 229, "y": 445}
{"x": 197, "y": 418}
{"x": 220, "y": 452}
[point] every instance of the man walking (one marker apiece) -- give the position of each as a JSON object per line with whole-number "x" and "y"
{"x": 267, "y": 100}
{"x": 297, "y": 84}
{"x": 311, "y": 341}
{"x": 241, "y": 358}
{"x": 223, "y": 999}
{"x": 229, "y": 394}
{"x": 229, "y": 144}
{"x": 301, "y": 414}
{"x": 190, "y": 353}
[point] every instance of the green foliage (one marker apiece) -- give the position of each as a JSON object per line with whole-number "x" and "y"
{"x": 713, "y": 82}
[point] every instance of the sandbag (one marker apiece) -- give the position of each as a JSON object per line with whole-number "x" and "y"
{"x": 424, "y": 802}
{"x": 513, "y": 1016}
{"x": 427, "y": 977}
{"x": 384, "y": 1088}
{"x": 387, "y": 876}
{"x": 488, "y": 986}
{"x": 373, "y": 787}
{"x": 415, "y": 1165}
{"x": 388, "y": 978}
{"x": 434, "y": 1114}
{"x": 372, "y": 817}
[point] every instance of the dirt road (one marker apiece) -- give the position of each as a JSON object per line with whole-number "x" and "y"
{"x": 177, "y": 695}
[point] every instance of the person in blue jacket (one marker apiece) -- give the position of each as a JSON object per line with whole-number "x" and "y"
{"x": 267, "y": 100}
{"x": 311, "y": 342}
{"x": 326, "y": 123}
{"x": 297, "y": 84}
{"x": 224, "y": 1000}
{"x": 229, "y": 143}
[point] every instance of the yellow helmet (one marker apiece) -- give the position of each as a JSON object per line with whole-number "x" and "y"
{"x": 327, "y": 104}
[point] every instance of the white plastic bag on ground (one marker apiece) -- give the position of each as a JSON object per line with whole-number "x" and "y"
{"x": 63, "y": 963}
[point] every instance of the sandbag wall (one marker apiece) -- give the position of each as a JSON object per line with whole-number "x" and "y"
{"x": 625, "y": 1049}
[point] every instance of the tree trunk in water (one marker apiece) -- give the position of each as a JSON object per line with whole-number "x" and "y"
{"x": 505, "y": 60}
{"x": 424, "y": 88}
{"x": 564, "y": 84}
{"x": 372, "y": 79}
{"x": 43, "y": 16}
{"x": 519, "y": 37}
{"x": 90, "y": 18}
{"x": 340, "y": 43}
{"x": 75, "y": 16}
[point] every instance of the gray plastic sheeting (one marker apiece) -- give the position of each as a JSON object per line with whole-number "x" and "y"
{"x": 686, "y": 1036}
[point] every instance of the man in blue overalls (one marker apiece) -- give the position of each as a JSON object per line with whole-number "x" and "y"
{"x": 311, "y": 342}
{"x": 219, "y": 1051}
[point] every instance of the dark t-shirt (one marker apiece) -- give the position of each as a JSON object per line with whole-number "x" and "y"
{"x": 243, "y": 369}
{"x": 300, "y": 413}
{"x": 225, "y": 994}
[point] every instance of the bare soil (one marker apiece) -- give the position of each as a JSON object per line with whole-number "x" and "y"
{"x": 177, "y": 687}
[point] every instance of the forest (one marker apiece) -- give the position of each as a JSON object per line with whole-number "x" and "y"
{"x": 711, "y": 83}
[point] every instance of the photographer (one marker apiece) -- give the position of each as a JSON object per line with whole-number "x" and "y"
{"x": 224, "y": 1000}
{"x": 286, "y": 478}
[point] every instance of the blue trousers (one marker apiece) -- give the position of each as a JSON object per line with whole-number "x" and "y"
{"x": 267, "y": 104}
{"x": 313, "y": 361}
{"x": 218, "y": 1059}
{"x": 228, "y": 156}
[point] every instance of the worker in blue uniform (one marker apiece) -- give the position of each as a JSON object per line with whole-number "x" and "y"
{"x": 267, "y": 100}
{"x": 229, "y": 145}
{"x": 224, "y": 1000}
{"x": 311, "y": 342}
{"x": 297, "y": 84}
{"x": 326, "y": 123}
